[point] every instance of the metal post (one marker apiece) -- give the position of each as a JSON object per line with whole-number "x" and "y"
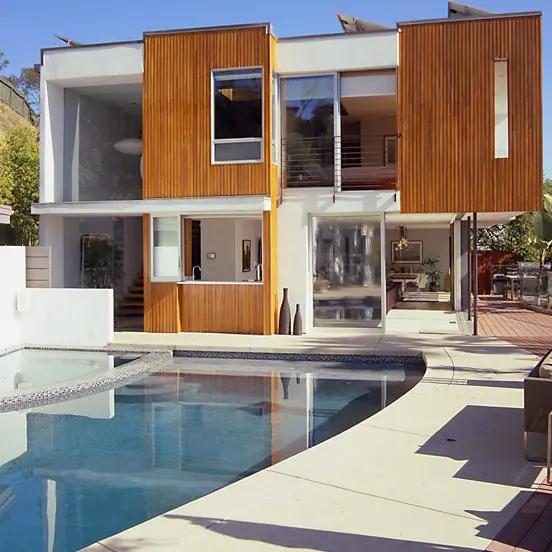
{"x": 549, "y": 450}
{"x": 474, "y": 270}
{"x": 469, "y": 270}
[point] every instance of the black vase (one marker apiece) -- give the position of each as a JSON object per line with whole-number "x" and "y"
{"x": 298, "y": 322}
{"x": 284, "y": 324}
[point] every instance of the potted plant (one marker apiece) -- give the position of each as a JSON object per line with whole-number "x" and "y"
{"x": 434, "y": 273}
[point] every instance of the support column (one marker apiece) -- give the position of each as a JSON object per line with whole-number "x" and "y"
{"x": 464, "y": 264}
{"x": 383, "y": 274}
{"x": 470, "y": 269}
{"x": 475, "y": 274}
{"x": 457, "y": 265}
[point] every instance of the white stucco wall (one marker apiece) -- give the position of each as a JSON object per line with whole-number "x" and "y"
{"x": 343, "y": 52}
{"x": 435, "y": 244}
{"x": 12, "y": 281}
{"x": 101, "y": 64}
{"x": 294, "y": 240}
{"x": 68, "y": 317}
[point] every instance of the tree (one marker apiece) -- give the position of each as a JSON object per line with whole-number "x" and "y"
{"x": 4, "y": 61}
{"x": 19, "y": 181}
{"x": 521, "y": 236}
{"x": 28, "y": 82}
{"x": 516, "y": 237}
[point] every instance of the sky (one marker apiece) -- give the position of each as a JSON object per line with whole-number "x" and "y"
{"x": 27, "y": 26}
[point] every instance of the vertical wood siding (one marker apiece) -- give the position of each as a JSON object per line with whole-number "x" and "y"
{"x": 446, "y": 116}
{"x": 221, "y": 308}
{"x": 177, "y": 113}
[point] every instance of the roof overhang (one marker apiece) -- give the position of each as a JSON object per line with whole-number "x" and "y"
{"x": 201, "y": 206}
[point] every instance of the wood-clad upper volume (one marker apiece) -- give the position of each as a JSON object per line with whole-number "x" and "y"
{"x": 177, "y": 112}
{"x": 446, "y": 111}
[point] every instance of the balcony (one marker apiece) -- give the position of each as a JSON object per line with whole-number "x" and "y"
{"x": 355, "y": 162}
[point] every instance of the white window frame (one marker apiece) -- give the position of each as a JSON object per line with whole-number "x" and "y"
{"x": 260, "y": 140}
{"x": 275, "y": 133}
{"x": 178, "y": 277}
{"x": 501, "y": 139}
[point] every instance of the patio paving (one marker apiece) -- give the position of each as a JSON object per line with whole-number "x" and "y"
{"x": 511, "y": 322}
{"x": 442, "y": 468}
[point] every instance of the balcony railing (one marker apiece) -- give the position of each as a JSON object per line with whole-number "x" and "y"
{"x": 346, "y": 163}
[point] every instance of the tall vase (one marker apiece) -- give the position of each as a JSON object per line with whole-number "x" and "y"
{"x": 298, "y": 322}
{"x": 284, "y": 325}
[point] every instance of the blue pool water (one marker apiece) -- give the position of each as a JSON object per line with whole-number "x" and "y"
{"x": 76, "y": 472}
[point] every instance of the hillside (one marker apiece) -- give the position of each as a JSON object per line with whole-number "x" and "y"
{"x": 9, "y": 119}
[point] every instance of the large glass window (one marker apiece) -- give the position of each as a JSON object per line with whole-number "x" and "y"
{"x": 165, "y": 260}
{"x": 102, "y": 143}
{"x": 237, "y": 116}
{"x": 347, "y": 271}
{"x": 308, "y": 128}
{"x": 501, "y": 108}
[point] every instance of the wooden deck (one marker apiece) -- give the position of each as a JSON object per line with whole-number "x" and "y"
{"x": 530, "y": 530}
{"x": 509, "y": 321}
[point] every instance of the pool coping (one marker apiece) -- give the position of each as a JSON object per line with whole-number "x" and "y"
{"x": 84, "y": 386}
{"x": 153, "y": 359}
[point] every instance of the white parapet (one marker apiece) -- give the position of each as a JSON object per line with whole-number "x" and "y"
{"x": 69, "y": 317}
{"x": 342, "y": 52}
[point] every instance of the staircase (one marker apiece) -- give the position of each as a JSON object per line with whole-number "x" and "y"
{"x": 132, "y": 303}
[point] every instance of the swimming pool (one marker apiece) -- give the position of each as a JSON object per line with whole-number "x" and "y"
{"x": 75, "y": 472}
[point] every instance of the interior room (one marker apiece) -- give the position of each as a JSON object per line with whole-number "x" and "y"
{"x": 418, "y": 263}
{"x": 368, "y": 129}
{"x": 227, "y": 249}
{"x": 207, "y": 249}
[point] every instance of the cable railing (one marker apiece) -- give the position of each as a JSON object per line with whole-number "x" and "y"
{"x": 362, "y": 162}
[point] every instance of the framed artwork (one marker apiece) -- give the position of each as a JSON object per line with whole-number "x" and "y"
{"x": 411, "y": 253}
{"x": 246, "y": 255}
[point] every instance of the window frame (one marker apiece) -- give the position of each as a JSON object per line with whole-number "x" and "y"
{"x": 505, "y": 140}
{"x": 179, "y": 276}
{"x": 275, "y": 119}
{"x": 260, "y": 140}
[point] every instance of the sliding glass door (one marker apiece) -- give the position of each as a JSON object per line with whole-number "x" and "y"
{"x": 347, "y": 271}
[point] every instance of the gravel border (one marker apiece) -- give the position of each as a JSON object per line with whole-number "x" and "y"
{"x": 86, "y": 385}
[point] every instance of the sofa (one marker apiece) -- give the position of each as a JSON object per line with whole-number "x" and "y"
{"x": 537, "y": 395}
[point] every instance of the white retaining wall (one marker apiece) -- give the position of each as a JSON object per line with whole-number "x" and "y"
{"x": 50, "y": 317}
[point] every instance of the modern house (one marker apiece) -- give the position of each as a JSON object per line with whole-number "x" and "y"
{"x": 199, "y": 172}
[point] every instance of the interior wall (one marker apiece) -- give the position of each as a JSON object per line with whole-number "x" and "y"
{"x": 218, "y": 237}
{"x": 372, "y": 131}
{"x": 224, "y": 238}
{"x": 247, "y": 229}
{"x": 93, "y": 169}
{"x": 435, "y": 244}
{"x": 131, "y": 246}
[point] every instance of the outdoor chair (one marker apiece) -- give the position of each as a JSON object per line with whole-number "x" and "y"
{"x": 537, "y": 407}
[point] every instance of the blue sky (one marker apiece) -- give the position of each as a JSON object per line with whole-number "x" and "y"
{"x": 29, "y": 26}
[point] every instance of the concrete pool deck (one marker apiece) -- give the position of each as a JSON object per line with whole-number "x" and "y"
{"x": 441, "y": 468}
